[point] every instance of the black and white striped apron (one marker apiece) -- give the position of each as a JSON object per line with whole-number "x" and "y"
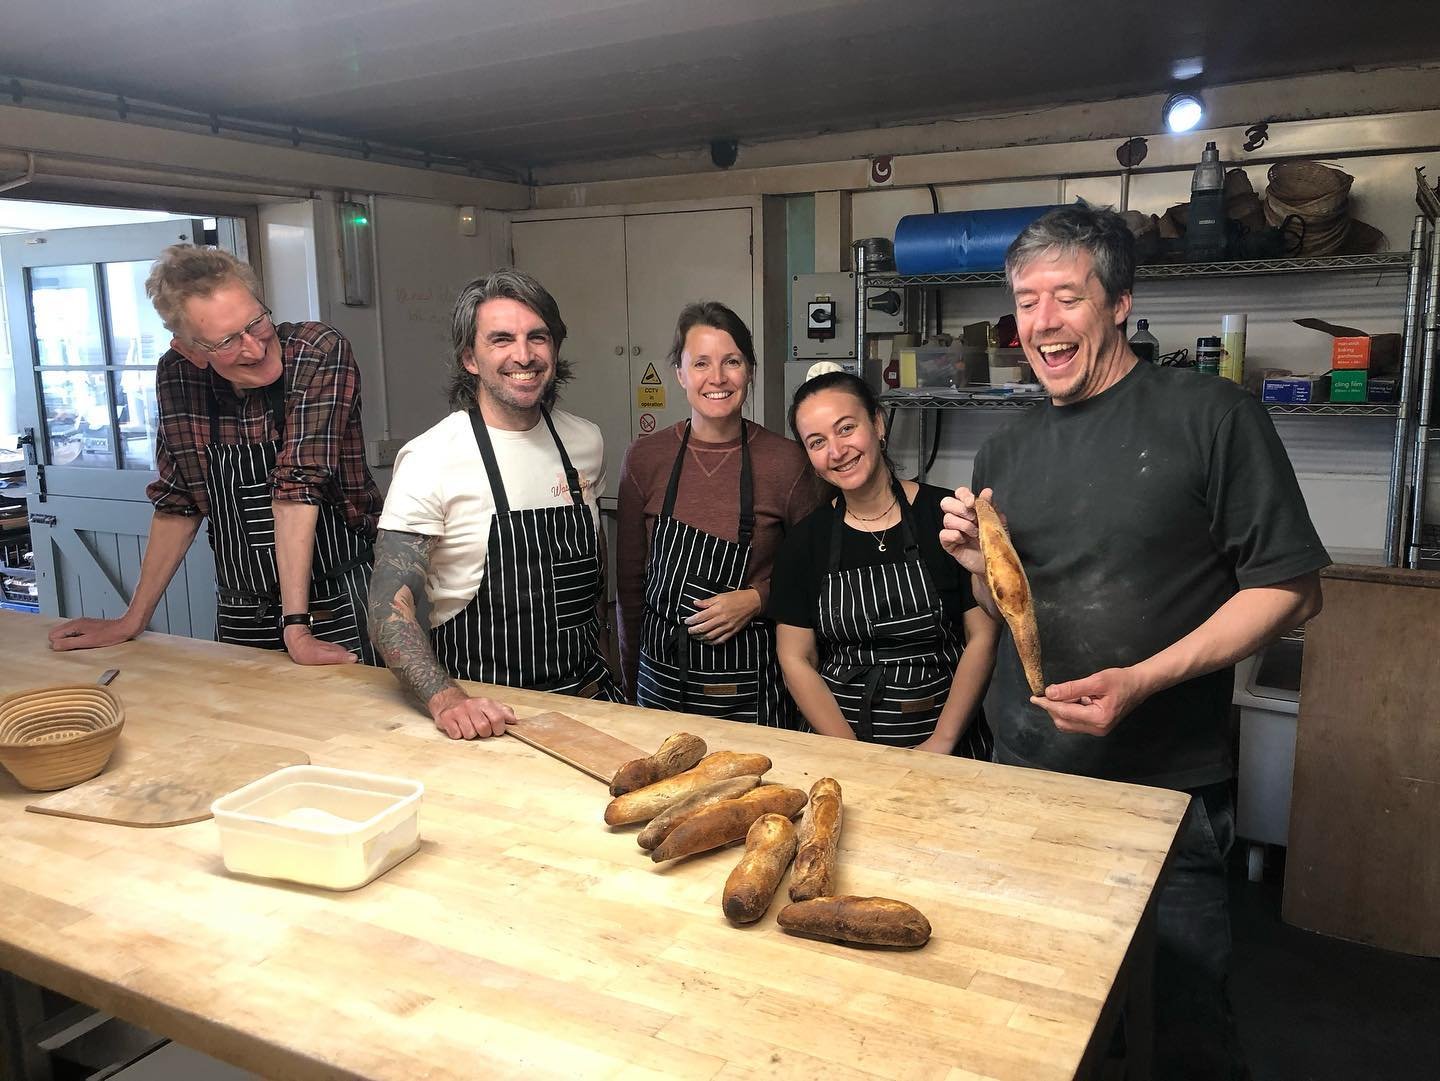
{"x": 242, "y": 537}
{"x": 888, "y": 653}
{"x": 533, "y": 622}
{"x": 739, "y": 679}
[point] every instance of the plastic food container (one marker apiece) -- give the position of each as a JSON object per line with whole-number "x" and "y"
{"x": 334, "y": 828}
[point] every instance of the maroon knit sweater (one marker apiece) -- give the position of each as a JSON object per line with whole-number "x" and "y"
{"x": 709, "y": 499}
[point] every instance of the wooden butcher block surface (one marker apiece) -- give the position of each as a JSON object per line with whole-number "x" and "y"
{"x": 527, "y": 939}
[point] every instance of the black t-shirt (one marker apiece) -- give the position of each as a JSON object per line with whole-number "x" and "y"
{"x": 804, "y": 560}
{"x": 1136, "y": 514}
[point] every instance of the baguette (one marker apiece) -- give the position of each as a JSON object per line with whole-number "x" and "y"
{"x": 1011, "y": 590}
{"x": 870, "y": 921}
{"x": 645, "y": 803}
{"x": 725, "y": 822}
{"x": 819, "y": 843}
{"x": 677, "y": 754}
{"x": 769, "y": 848}
{"x": 661, "y": 825}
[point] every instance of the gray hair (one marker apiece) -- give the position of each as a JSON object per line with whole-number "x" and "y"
{"x": 185, "y": 271}
{"x": 1068, "y": 230}
{"x": 507, "y": 283}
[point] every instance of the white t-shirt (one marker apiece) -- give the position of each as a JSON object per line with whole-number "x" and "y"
{"x": 439, "y": 489}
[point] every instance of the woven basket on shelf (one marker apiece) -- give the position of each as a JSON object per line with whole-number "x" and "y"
{"x": 59, "y": 736}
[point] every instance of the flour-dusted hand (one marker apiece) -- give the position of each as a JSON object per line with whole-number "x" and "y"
{"x": 1096, "y": 704}
{"x": 960, "y": 535}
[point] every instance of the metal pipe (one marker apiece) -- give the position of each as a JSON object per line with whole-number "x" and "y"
{"x": 857, "y": 261}
{"x": 1397, "y": 496}
{"x": 1420, "y": 444}
{"x": 20, "y": 181}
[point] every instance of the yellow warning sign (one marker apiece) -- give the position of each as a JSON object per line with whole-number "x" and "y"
{"x": 650, "y": 397}
{"x": 651, "y": 378}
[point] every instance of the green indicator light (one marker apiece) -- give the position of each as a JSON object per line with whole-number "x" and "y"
{"x": 360, "y": 219}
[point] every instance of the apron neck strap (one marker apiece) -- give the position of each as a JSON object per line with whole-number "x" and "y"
{"x": 747, "y": 484}
{"x": 492, "y": 467}
{"x": 909, "y": 545}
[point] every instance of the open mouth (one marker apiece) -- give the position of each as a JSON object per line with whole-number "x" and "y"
{"x": 846, "y": 467}
{"x": 1058, "y": 354}
{"x": 718, "y": 395}
{"x": 524, "y": 378}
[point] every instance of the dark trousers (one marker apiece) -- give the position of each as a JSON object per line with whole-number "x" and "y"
{"x": 1194, "y": 1031}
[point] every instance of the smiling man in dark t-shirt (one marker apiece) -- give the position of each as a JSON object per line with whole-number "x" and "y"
{"x": 1164, "y": 537}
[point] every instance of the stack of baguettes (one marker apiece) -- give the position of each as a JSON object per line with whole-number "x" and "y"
{"x": 694, "y": 801}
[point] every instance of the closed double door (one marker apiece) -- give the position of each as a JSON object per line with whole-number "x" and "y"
{"x": 621, "y": 282}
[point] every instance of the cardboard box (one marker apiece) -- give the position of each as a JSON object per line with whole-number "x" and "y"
{"x": 1354, "y": 350}
{"x": 1347, "y": 385}
{"x": 1296, "y": 390}
{"x": 1385, "y": 388}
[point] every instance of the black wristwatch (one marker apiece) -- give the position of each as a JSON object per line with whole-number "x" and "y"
{"x": 295, "y": 619}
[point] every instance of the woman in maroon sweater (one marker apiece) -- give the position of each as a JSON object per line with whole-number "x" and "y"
{"x": 703, "y": 507}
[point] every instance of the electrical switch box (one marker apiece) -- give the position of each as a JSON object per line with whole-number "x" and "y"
{"x": 822, "y": 317}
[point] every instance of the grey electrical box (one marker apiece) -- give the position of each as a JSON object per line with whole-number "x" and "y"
{"x": 822, "y": 317}
{"x": 885, "y": 310}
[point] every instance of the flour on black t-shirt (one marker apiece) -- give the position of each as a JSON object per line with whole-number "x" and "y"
{"x": 1138, "y": 513}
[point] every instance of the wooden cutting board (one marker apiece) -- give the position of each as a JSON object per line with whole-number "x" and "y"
{"x": 575, "y": 743}
{"x": 170, "y": 787}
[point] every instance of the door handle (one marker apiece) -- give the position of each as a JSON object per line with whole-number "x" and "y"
{"x": 44, "y": 519}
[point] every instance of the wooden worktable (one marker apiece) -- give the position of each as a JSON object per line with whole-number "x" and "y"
{"x": 527, "y": 939}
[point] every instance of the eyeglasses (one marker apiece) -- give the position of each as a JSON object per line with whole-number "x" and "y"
{"x": 259, "y": 329}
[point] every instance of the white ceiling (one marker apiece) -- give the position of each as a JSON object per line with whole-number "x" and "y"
{"x": 537, "y": 82}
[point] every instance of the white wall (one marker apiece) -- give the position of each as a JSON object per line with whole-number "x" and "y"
{"x": 401, "y": 339}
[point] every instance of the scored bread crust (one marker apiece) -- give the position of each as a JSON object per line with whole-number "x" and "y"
{"x": 1011, "y": 590}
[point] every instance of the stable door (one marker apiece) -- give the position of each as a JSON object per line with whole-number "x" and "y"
{"x": 86, "y": 341}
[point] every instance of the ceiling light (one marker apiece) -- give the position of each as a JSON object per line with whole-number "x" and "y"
{"x": 1182, "y": 112}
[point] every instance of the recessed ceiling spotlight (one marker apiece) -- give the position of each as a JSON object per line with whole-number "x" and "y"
{"x": 1182, "y": 112}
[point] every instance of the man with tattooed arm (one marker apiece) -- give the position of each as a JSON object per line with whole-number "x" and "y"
{"x": 490, "y": 560}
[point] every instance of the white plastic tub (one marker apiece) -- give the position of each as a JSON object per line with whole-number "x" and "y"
{"x": 334, "y": 828}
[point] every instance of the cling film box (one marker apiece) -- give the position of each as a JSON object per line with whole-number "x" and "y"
{"x": 1348, "y": 385}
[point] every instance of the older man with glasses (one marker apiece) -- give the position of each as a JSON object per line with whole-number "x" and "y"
{"x": 259, "y": 431}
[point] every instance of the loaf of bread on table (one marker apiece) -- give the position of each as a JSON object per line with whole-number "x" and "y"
{"x": 769, "y": 848}
{"x": 870, "y": 921}
{"x": 645, "y": 803}
{"x": 677, "y": 754}
{"x": 661, "y": 825}
{"x": 724, "y": 823}
{"x": 1011, "y": 590}
{"x": 819, "y": 843}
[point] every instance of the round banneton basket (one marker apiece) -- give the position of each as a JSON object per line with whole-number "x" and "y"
{"x": 59, "y": 736}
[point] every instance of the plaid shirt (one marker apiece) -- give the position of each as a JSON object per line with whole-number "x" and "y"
{"x": 322, "y": 458}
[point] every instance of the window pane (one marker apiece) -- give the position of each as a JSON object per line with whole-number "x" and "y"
{"x": 137, "y": 336}
{"x": 77, "y": 418}
{"x": 136, "y": 408}
{"x": 67, "y": 316}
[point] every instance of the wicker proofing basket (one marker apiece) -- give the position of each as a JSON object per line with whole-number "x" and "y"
{"x": 59, "y": 736}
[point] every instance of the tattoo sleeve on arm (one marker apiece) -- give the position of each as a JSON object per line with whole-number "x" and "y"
{"x": 400, "y": 614}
